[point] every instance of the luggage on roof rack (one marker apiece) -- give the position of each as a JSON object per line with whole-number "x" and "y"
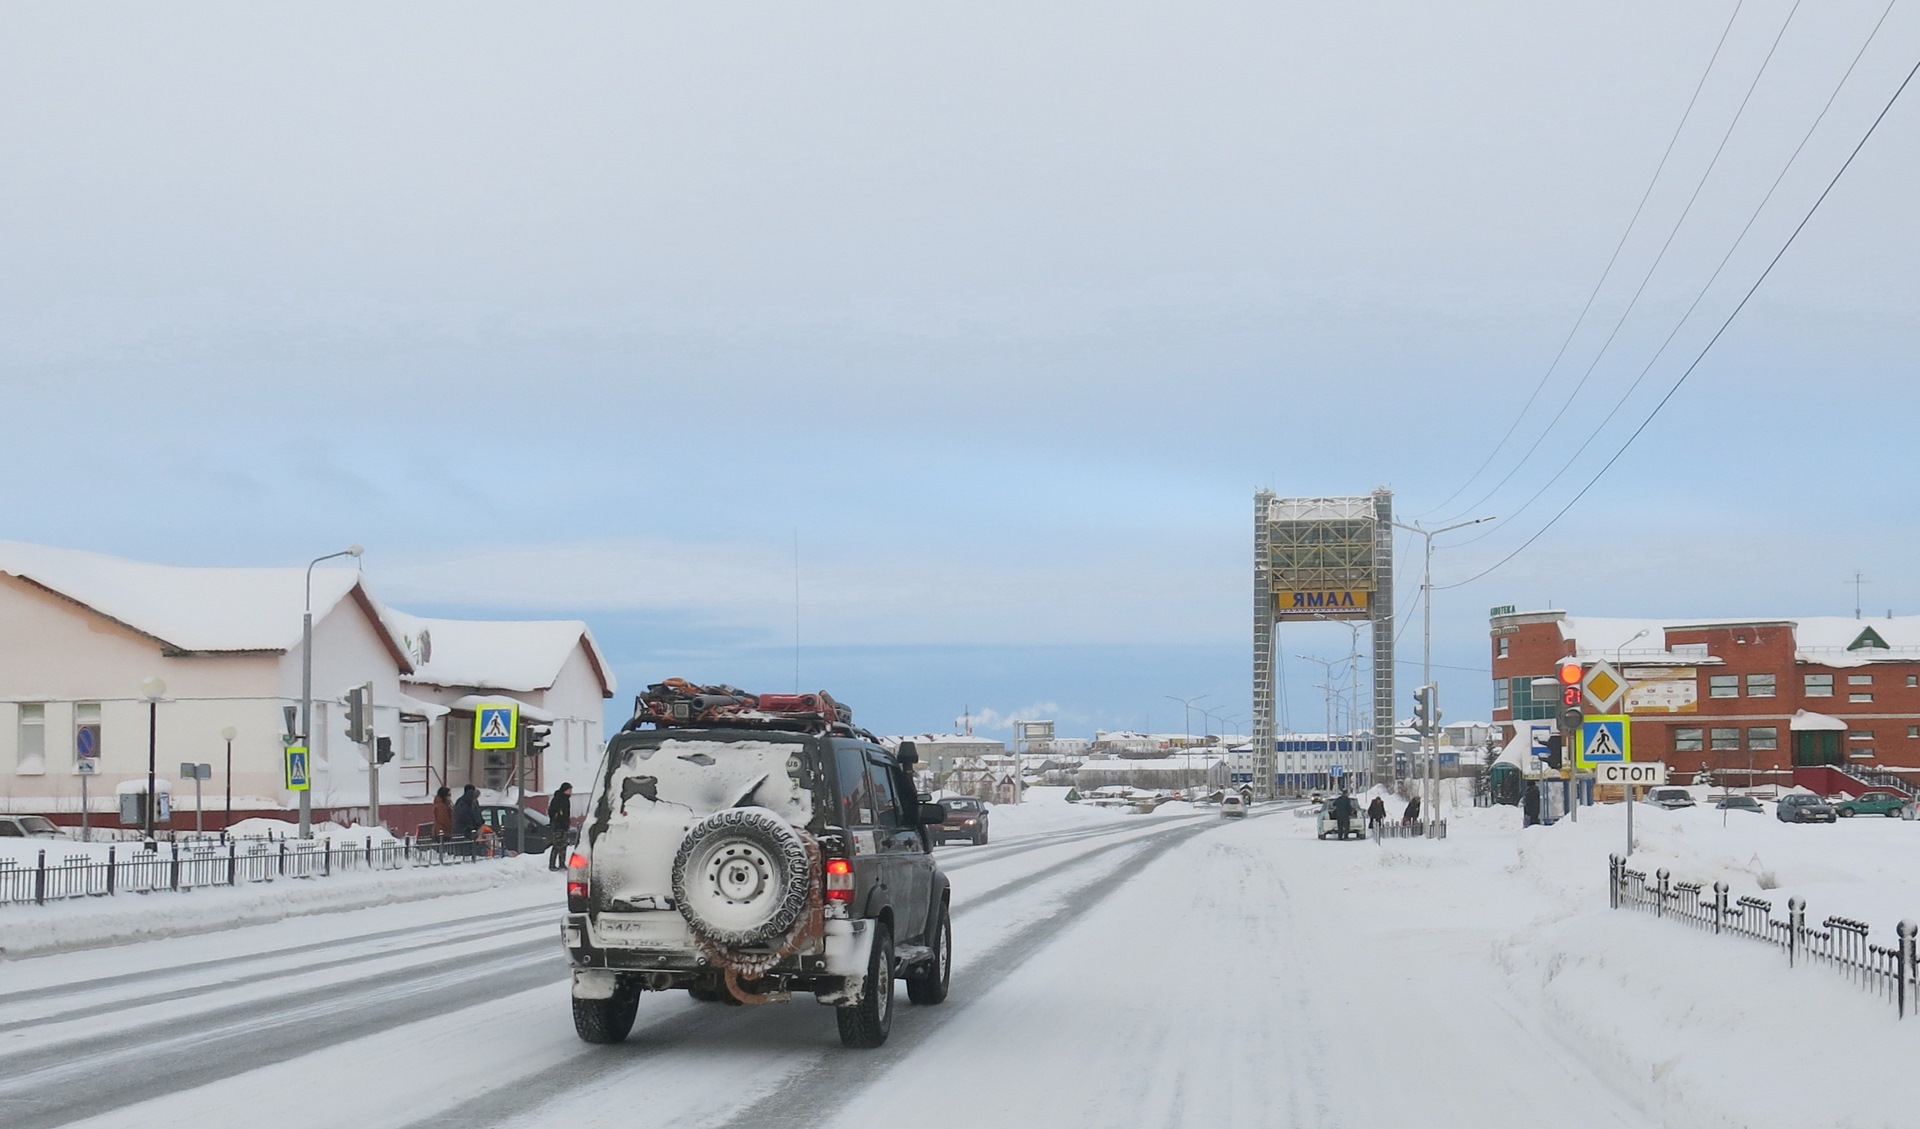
{"x": 677, "y": 701}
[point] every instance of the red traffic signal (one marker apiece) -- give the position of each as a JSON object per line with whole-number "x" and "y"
{"x": 1570, "y": 673}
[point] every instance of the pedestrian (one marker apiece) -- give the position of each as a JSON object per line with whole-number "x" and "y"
{"x": 559, "y": 822}
{"x": 1341, "y": 809}
{"x": 1376, "y": 813}
{"x": 1530, "y": 804}
{"x": 466, "y": 818}
{"x": 1412, "y": 814}
{"x": 443, "y": 813}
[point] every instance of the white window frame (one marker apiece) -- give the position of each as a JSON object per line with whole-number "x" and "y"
{"x": 1689, "y": 740}
{"x": 1723, "y": 686}
{"x": 1817, "y": 685}
{"x": 1867, "y": 697}
{"x": 1769, "y": 743}
{"x": 30, "y": 734}
{"x": 1859, "y": 679}
{"x": 1761, "y": 685}
{"x": 1719, "y": 734}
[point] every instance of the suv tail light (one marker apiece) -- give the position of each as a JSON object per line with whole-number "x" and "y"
{"x": 577, "y": 883}
{"x": 839, "y": 880}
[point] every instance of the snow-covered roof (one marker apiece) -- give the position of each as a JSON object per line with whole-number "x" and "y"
{"x": 189, "y": 609}
{"x": 1807, "y": 720}
{"x": 517, "y": 655}
{"x": 528, "y": 711}
{"x": 1824, "y": 639}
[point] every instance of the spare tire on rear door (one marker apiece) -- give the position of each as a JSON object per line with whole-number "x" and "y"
{"x": 741, "y": 878}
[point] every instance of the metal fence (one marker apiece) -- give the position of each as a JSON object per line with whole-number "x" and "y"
{"x": 1840, "y": 943}
{"x": 1396, "y": 829}
{"x": 189, "y": 866}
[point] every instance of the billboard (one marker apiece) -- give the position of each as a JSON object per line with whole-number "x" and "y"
{"x": 1354, "y": 603}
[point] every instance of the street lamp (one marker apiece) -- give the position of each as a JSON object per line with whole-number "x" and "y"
{"x": 152, "y": 689}
{"x": 1186, "y": 751}
{"x": 1432, "y": 807}
{"x": 306, "y": 685}
{"x": 227, "y": 735}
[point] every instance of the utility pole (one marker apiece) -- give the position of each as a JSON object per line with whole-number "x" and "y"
{"x": 1186, "y": 747}
{"x": 1432, "y": 806}
{"x": 306, "y": 687}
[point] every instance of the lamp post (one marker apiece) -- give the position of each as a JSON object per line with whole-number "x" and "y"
{"x": 1186, "y": 747}
{"x": 1226, "y": 754}
{"x": 306, "y": 685}
{"x": 152, "y": 689}
{"x": 1330, "y": 688}
{"x": 227, "y": 735}
{"x": 1432, "y": 737}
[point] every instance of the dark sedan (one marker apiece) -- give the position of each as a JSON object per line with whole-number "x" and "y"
{"x": 505, "y": 822}
{"x": 966, "y": 819}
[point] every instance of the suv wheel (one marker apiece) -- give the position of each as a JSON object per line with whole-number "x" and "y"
{"x": 927, "y": 984}
{"x": 865, "y": 1023}
{"x": 741, "y": 878}
{"x": 606, "y": 1021}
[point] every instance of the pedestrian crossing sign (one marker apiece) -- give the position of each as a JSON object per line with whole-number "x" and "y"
{"x": 496, "y": 726}
{"x": 296, "y": 766}
{"x": 1604, "y": 739}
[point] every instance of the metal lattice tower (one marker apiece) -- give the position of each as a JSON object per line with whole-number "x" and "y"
{"x": 1322, "y": 558}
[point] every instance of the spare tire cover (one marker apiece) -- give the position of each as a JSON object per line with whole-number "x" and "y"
{"x": 741, "y": 877}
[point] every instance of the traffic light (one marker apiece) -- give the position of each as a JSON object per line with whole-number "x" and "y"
{"x": 1556, "y": 746}
{"x": 1573, "y": 699}
{"x": 1426, "y": 709}
{"x": 357, "y": 714}
{"x": 537, "y": 739}
{"x": 382, "y": 750}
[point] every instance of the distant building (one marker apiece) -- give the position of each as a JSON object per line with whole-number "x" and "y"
{"x": 1826, "y": 701}
{"x": 940, "y": 753}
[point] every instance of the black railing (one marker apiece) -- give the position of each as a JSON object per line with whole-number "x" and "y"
{"x": 188, "y": 866}
{"x": 1840, "y": 943}
{"x": 1398, "y": 829}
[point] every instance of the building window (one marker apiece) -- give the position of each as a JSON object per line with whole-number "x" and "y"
{"x": 86, "y": 730}
{"x": 1688, "y": 740}
{"x": 1723, "y": 686}
{"x": 1759, "y": 685}
{"x": 1819, "y": 685}
{"x": 1520, "y": 698}
{"x": 1502, "y": 695}
{"x": 1726, "y": 739}
{"x": 1913, "y": 730}
{"x": 1766, "y": 738}
{"x": 1859, "y": 679}
{"x": 1859, "y": 697}
{"x": 1913, "y": 679}
{"x": 33, "y": 739}
{"x": 1502, "y": 647}
{"x": 1860, "y": 735}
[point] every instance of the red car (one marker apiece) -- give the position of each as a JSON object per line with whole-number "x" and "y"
{"x": 966, "y": 819}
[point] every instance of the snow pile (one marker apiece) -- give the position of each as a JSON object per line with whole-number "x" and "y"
{"x": 82, "y": 923}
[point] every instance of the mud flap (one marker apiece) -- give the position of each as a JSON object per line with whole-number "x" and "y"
{"x": 846, "y": 946}
{"x": 594, "y": 984}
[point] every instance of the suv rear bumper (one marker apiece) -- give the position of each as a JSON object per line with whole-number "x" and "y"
{"x": 841, "y": 953}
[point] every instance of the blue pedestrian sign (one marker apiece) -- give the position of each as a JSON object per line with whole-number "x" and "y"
{"x": 297, "y": 780}
{"x": 496, "y": 726}
{"x": 1604, "y": 740}
{"x": 1336, "y": 771}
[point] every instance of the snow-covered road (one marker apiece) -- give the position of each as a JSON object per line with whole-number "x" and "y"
{"x": 1178, "y": 969}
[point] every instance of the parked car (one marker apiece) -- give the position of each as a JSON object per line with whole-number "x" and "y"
{"x": 966, "y": 819}
{"x": 1804, "y": 808}
{"x": 505, "y": 821}
{"x": 1670, "y": 798}
{"x": 1740, "y": 803}
{"x": 1872, "y": 803}
{"x": 1232, "y": 806}
{"x": 29, "y": 827}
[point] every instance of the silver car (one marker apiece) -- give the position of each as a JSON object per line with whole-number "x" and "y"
{"x": 1802, "y": 808}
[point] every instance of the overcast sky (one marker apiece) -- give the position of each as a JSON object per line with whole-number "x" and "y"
{"x": 1001, "y": 312}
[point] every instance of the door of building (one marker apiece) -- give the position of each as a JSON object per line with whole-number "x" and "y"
{"x": 1816, "y": 746}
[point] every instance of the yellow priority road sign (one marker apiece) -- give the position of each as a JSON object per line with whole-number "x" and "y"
{"x": 496, "y": 725}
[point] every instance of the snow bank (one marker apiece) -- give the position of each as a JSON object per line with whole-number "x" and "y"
{"x": 83, "y": 923}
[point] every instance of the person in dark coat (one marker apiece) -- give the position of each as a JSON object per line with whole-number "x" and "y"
{"x": 1412, "y": 814}
{"x": 1341, "y": 809}
{"x": 1376, "y": 812}
{"x": 466, "y": 816}
{"x": 1530, "y": 804}
{"x": 559, "y": 819}
{"x": 443, "y": 813}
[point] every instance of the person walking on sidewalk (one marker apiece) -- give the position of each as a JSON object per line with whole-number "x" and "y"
{"x": 1530, "y": 804}
{"x": 1376, "y": 813}
{"x": 559, "y": 822}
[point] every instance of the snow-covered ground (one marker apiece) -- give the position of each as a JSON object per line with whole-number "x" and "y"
{"x": 1110, "y": 969}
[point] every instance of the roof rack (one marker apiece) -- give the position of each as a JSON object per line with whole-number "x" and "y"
{"x": 677, "y": 702}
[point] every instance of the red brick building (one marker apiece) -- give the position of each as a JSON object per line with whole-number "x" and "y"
{"x": 1828, "y": 702}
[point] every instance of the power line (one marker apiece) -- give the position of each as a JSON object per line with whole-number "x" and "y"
{"x": 1604, "y": 274}
{"x": 1705, "y": 349}
{"x": 1707, "y": 286}
{"x": 1645, "y": 279}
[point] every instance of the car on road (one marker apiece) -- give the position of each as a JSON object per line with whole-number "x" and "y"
{"x": 746, "y": 848}
{"x": 29, "y": 827}
{"x": 1670, "y": 798}
{"x": 1740, "y": 803}
{"x": 1871, "y": 803}
{"x": 966, "y": 819}
{"x": 1329, "y": 828}
{"x": 1802, "y": 807}
{"x": 1232, "y": 805}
